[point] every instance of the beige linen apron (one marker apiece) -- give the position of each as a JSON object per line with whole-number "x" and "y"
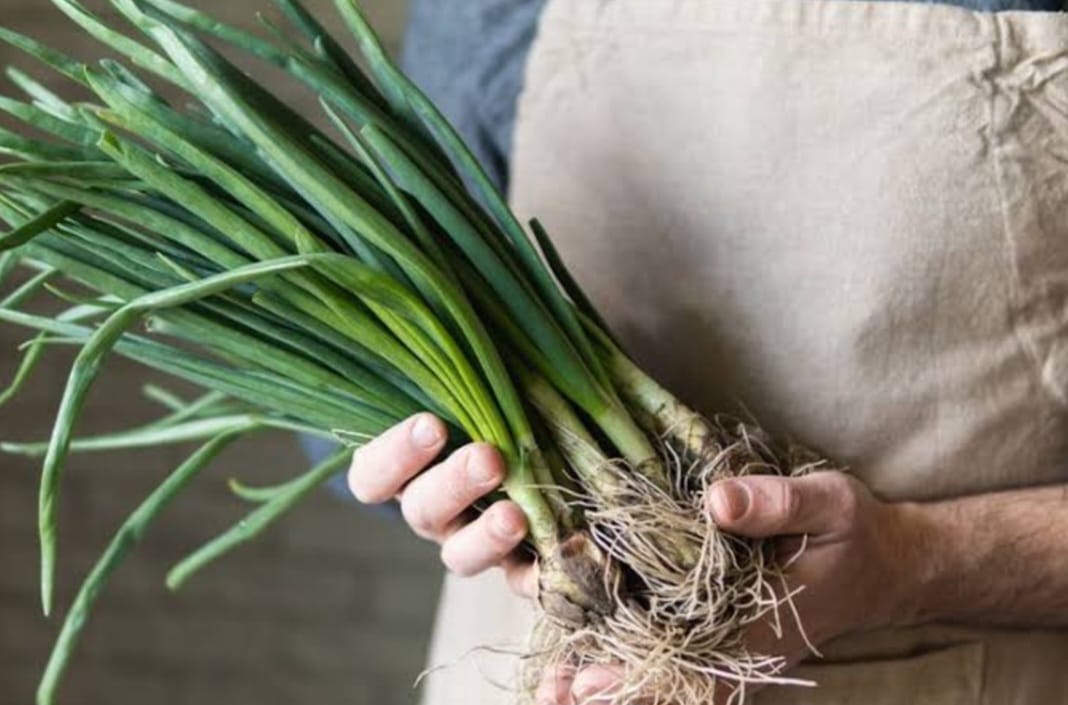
{"x": 849, "y": 219}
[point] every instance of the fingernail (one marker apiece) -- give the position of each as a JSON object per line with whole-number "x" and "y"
{"x": 730, "y": 501}
{"x": 426, "y": 432}
{"x": 506, "y": 525}
{"x": 480, "y": 470}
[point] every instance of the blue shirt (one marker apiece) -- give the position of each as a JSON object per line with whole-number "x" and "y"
{"x": 470, "y": 55}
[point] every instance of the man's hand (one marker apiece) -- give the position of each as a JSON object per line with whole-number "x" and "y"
{"x": 854, "y": 569}
{"x": 858, "y": 569}
{"x": 436, "y": 498}
{"x": 991, "y": 559}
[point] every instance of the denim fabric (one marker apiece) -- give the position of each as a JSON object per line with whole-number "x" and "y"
{"x": 470, "y": 56}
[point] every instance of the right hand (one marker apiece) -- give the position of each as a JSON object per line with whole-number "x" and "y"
{"x": 436, "y": 499}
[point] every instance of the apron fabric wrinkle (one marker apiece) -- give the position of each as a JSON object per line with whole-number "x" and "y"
{"x": 845, "y": 220}
{"x": 1028, "y": 136}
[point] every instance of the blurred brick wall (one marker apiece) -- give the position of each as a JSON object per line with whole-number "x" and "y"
{"x": 333, "y": 606}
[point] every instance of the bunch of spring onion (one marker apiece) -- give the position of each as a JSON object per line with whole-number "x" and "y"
{"x": 334, "y": 283}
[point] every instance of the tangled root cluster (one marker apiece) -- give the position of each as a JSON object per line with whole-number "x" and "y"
{"x": 688, "y": 591}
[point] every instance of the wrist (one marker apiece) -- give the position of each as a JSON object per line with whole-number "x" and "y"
{"x": 926, "y": 552}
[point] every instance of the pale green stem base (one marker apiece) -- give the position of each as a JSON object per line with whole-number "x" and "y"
{"x": 657, "y": 409}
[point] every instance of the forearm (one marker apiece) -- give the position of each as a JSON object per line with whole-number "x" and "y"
{"x": 995, "y": 559}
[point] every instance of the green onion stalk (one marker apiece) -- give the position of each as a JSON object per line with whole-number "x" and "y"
{"x": 335, "y": 282}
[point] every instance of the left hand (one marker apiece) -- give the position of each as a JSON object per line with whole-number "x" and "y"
{"x": 861, "y": 568}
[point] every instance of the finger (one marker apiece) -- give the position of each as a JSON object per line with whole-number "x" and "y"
{"x": 522, "y": 575}
{"x": 597, "y": 684}
{"x": 784, "y": 639}
{"x": 440, "y": 495}
{"x": 555, "y": 687}
{"x": 789, "y": 548}
{"x": 485, "y": 542}
{"x": 381, "y": 467}
{"x": 760, "y": 506}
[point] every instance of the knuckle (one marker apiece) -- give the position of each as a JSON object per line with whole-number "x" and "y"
{"x": 844, "y": 497}
{"x": 456, "y": 483}
{"x": 489, "y": 536}
{"x": 452, "y": 561}
{"x": 486, "y": 452}
{"x": 505, "y": 526}
{"x": 497, "y": 542}
{"x": 415, "y": 513}
{"x": 790, "y": 502}
{"x": 836, "y": 482}
{"x": 484, "y": 466}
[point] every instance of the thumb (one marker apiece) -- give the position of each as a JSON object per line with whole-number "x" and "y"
{"x": 761, "y": 506}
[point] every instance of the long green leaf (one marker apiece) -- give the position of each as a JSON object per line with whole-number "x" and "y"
{"x": 46, "y": 221}
{"x": 225, "y": 176}
{"x": 558, "y": 358}
{"x": 210, "y": 72}
{"x": 340, "y": 342}
{"x": 34, "y": 149}
{"x": 8, "y": 262}
{"x": 81, "y": 173}
{"x": 329, "y": 49}
{"x": 406, "y": 96}
{"x": 404, "y": 207}
{"x": 43, "y": 120}
{"x": 295, "y": 63}
{"x": 260, "y": 495}
{"x": 183, "y": 410}
{"x": 128, "y": 536}
{"x": 320, "y": 186}
{"x": 222, "y": 143}
{"x": 193, "y": 196}
{"x": 567, "y": 279}
{"x": 87, "y": 367}
{"x": 150, "y": 436}
{"x": 382, "y": 291}
{"x": 98, "y": 268}
{"x": 259, "y": 389}
{"x": 132, "y": 211}
{"x": 59, "y": 61}
{"x": 258, "y": 521}
{"x": 42, "y": 96}
{"x": 138, "y": 53}
{"x": 17, "y": 297}
{"x": 31, "y": 358}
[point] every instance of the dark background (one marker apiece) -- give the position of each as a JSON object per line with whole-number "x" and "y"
{"x": 333, "y": 606}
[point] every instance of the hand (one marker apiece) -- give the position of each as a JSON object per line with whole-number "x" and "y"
{"x": 859, "y": 569}
{"x": 436, "y": 499}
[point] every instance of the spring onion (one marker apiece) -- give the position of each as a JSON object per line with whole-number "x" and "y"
{"x": 336, "y": 283}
